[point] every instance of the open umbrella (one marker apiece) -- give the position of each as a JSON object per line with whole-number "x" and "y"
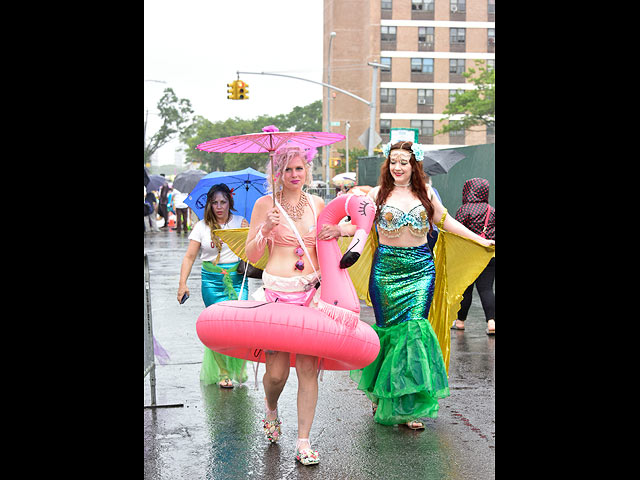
{"x": 246, "y": 187}
{"x": 146, "y": 177}
{"x": 187, "y": 181}
{"x": 342, "y": 179}
{"x": 269, "y": 140}
{"x": 155, "y": 182}
{"x": 440, "y": 161}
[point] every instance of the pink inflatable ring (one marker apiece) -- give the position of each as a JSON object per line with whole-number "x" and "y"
{"x": 333, "y": 332}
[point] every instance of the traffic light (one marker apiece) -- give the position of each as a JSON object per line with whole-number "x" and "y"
{"x": 242, "y": 92}
{"x": 233, "y": 90}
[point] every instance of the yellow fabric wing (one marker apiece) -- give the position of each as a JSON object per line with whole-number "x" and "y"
{"x": 458, "y": 262}
{"x": 236, "y": 238}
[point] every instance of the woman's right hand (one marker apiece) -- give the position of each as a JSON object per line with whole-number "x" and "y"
{"x": 182, "y": 289}
{"x": 273, "y": 220}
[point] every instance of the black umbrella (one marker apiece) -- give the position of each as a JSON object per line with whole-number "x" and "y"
{"x": 155, "y": 182}
{"x": 185, "y": 182}
{"x": 440, "y": 161}
{"x": 146, "y": 177}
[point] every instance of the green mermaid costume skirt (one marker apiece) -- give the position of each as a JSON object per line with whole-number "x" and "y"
{"x": 408, "y": 376}
{"x": 217, "y": 287}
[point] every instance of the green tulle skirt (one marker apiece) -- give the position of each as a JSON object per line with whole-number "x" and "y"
{"x": 409, "y": 375}
{"x": 217, "y": 287}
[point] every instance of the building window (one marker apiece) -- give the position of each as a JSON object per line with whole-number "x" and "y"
{"x": 491, "y": 7}
{"x": 388, "y": 96}
{"x": 425, "y": 97}
{"x": 426, "y": 36}
{"x": 385, "y": 127}
{"x": 456, "y": 66}
{"x": 386, "y": 5}
{"x": 491, "y": 64}
{"x": 387, "y": 34}
{"x": 422, "y": 65}
{"x": 422, "y": 5}
{"x": 491, "y": 37}
{"x": 459, "y": 6}
{"x": 425, "y": 127}
{"x": 456, "y": 36}
{"x": 386, "y": 61}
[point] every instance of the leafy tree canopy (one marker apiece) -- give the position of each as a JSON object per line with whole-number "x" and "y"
{"x": 175, "y": 114}
{"x": 307, "y": 118}
{"x": 478, "y": 106}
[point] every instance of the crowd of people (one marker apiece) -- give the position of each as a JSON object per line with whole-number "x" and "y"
{"x": 409, "y": 376}
{"x": 168, "y": 204}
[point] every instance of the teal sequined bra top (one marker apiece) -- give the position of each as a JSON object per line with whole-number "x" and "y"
{"x": 392, "y": 220}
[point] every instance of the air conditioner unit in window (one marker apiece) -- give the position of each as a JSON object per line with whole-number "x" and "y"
{"x": 454, "y": 8}
{"x": 422, "y": 101}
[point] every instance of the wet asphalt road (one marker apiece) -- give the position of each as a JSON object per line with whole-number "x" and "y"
{"x": 217, "y": 433}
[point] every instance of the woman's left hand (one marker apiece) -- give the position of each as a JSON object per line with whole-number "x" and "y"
{"x": 488, "y": 243}
{"x": 327, "y": 232}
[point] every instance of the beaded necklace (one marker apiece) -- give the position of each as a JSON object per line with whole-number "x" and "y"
{"x": 297, "y": 211}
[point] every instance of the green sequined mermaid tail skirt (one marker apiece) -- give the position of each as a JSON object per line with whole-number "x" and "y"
{"x": 217, "y": 287}
{"x": 408, "y": 376}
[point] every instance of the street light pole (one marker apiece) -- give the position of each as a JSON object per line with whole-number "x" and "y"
{"x": 372, "y": 105}
{"x": 328, "y": 149}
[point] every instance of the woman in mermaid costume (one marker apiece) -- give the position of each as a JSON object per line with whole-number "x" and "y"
{"x": 409, "y": 375}
{"x": 220, "y": 280}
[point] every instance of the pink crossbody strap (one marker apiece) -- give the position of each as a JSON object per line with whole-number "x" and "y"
{"x": 486, "y": 222}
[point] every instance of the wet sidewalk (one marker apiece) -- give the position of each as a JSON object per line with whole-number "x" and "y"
{"x": 217, "y": 433}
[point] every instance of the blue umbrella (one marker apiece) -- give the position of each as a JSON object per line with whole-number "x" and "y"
{"x": 246, "y": 185}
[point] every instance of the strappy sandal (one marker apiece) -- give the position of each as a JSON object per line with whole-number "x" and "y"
{"x": 272, "y": 428}
{"x": 226, "y": 383}
{"x": 374, "y": 407}
{"x": 412, "y": 425}
{"x": 306, "y": 456}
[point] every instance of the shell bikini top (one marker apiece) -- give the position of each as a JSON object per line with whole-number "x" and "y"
{"x": 392, "y": 219}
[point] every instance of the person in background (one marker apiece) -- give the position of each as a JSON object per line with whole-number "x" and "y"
{"x": 182, "y": 210}
{"x": 218, "y": 262}
{"x": 151, "y": 218}
{"x": 478, "y": 216}
{"x": 163, "y": 201}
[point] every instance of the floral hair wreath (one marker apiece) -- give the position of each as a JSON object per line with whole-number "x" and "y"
{"x": 416, "y": 148}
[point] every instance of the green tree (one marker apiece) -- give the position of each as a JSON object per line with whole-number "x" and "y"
{"x": 176, "y": 117}
{"x": 478, "y": 105}
{"x": 307, "y": 118}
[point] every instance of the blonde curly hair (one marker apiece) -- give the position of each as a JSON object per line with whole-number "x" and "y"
{"x": 281, "y": 159}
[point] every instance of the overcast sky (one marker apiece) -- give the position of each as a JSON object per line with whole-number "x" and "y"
{"x": 196, "y": 46}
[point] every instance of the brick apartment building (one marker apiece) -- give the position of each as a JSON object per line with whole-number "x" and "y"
{"x": 427, "y": 43}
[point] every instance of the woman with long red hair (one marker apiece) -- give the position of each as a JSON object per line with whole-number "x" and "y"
{"x": 409, "y": 375}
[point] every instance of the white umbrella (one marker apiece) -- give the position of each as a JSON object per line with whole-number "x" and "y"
{"x": 344, "y": 178}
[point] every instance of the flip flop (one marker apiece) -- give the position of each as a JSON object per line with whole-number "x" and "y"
{"x": 490, "y": 332}
{"x": 455, "y": 327}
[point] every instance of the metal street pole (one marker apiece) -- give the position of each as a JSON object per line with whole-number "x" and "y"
{"x": 372, "y": 105}
{"x": 346, "y": 126}
{"x": 327, "y": 147}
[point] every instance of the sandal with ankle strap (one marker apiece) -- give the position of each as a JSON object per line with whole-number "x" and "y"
{"x": 272, "y": 428}
{"x": 306, "y": 456}
{"x": 226, "y": 383}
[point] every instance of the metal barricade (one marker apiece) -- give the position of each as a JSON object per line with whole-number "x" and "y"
{"x": 149, "y": 356}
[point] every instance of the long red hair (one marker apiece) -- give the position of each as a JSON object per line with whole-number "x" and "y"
{"x": 418, "y": 181}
